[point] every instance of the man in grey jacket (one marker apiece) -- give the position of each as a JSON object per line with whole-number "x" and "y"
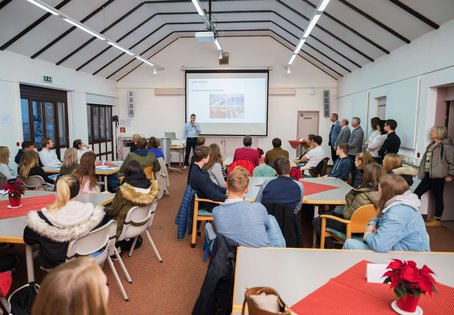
{"x": 344, "y": 133}
{"x": 355, "y": 142}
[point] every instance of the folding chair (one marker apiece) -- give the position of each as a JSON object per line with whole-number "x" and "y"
{"x": 36, "y": 182}
{"x": 200, "y": 215}
{"x": 137, "y": 221}
{"x": 99, "y": 244}
{"x": 356, "y": 224}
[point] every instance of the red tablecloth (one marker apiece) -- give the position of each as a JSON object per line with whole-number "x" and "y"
{"x": 349, "y": 293}
{"x": 313, "y": 188}
{"x": 28, "y": 204}
{"x": 107, "y": 164}
{"x": 295, "y": 143}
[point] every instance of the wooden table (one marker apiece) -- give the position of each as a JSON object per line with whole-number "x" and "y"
{"x": 12, "y": 229}
{"x": 101, "y": 170}
{"x": 297, "y": 272}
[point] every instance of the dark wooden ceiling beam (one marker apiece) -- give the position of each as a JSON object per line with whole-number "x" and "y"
{"x": 416, "y": 14}
{"x": 375, "y": 21}
{"x": 32, "y": 26}
{"x": 4, "y": 3}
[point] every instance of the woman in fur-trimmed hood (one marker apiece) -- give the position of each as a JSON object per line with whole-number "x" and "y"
{"x": 61, "y": 222}
{"x": 136, "y": 190}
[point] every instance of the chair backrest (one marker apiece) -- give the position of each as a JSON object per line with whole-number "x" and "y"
{"x": 95, "y": 244}
{"x": 33, "y": 182}
{"x": 264, "y": 171}
{"x": 137, "y": 221}
{"x": 171, "y": 135}
{"x": 361, "y": 217}
{"x": 320, "y": 169}
{"x": 149, "y": 172}
{"x": 244, "y": 163}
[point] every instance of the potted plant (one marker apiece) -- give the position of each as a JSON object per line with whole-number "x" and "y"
{"x": 14, "y": 190}
{"x": 409, "y": 283}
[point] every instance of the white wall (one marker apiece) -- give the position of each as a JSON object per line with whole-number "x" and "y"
{"x": 408, "y": 77}
{"x": 17, "y": 69}
{"x": 157, "y": 114}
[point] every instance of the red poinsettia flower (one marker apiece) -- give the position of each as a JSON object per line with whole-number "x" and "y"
{"x": 14, "y": 189}
{"x": 405, "y": 277}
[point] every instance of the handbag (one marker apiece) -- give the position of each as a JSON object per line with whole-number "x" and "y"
{"x": 264, "y": 301}
{"x": 22, "y": 299}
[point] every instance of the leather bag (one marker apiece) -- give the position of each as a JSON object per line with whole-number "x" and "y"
{"x": 255, "y": 309}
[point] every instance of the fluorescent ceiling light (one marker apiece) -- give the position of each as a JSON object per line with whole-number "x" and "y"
{"x": 154, "y": 71}
{"x": 323, "y": 5}
{"x": 145, "y": 61}
{"x": 83, "y": 28}
{"x": 43, "y": 6}
{"x": 311, "y": 25}
{"x": 217, "y": 44}
{"x": 121, "y": 48}
{"x": 292, "y": 59}
{"x": 198, "y": 8}
{"x": 300, "y": 45}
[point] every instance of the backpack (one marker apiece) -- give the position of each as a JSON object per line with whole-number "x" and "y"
{"x": 22, "y": 299}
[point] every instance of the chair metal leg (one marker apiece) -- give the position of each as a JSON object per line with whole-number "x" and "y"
{"x": 117, "y": 279}
{"x": 155, "y": 249}
{"x": 122, "y": 265}
{"x": 133, "y": 246}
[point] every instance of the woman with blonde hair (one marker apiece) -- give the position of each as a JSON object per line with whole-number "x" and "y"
{"x": 29, "y": 166}
{"x": 70, "y": 161}
{"x": 215, "y": 166}
{"x": 361, "y": 160}
{"x": 399, "y": 225}
{"x": 78, "y": 287}
{"x": 436, "y": 169}
{"x": 392, "y": 163}
{"x": 4, "y": 161}
{"x": 86, "y": 172}
{"x": 61, "y": 222}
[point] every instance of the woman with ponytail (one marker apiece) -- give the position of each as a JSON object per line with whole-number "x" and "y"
{"x": 61, "y": 222}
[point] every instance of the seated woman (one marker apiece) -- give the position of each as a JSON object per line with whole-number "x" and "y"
{"x": 76, "y": 287}
{"x": 63, "y": 221}
{"x": 367, "y": 193}
{"x": 70, "y": 162}
{"x": 215, "y": 167}
{"x": 86, "y": 172}
{"x": 152, "y": 146}
{"x": 361, "y": 160}
{"x": 29, "y": 165}
{"x": 392, "y": 163}
{"x": 136, "y": 190}
{"x": 4, "y": 161}
{"x": 399, "y": 225}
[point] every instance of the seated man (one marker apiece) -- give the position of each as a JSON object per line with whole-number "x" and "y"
{"x": 200, "y": 180}
{"x": 246, "y": 223}
{"x": 343, "y": 165}
{"x": 274, "y": 153}
{"x": 142, "y": 156}
{"x": 26, "y": 146}
{"x": 247, "y": 153}
{"x": 46, "y": 156}
{"x": 314, "y": 156}
{"x": 282, "y": 189}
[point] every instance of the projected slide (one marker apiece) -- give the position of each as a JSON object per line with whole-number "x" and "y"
{"x": 228, "y": 102}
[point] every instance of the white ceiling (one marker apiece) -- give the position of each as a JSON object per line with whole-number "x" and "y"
{"x": 350, "y": 34}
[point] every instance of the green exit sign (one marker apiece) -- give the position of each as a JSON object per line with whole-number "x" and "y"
{"x": 47, "y": 79}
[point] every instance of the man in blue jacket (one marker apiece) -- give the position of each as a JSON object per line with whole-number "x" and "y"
{"x": 333, "y": 133}
{"x": 344, "y": 165}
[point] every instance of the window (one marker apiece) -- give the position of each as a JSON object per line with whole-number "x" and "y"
{"x": 100, "y": 130}
{"x": 44, "y": 114}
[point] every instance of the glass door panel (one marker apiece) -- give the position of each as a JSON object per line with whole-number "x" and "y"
{"x": 37, "y": 123}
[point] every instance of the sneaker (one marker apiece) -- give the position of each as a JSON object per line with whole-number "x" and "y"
{"x": 434, "y": 222}
{"x": 185, "y": 167}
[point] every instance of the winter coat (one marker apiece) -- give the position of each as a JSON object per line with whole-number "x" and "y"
{"x": 407, "y": 172}
{"x": 357, "y": 198}
{"x": 127, "y": 197}
{"x": 441, "y": 162}
{"x": 53, "y": 230}
{"x": 144, "y": 158}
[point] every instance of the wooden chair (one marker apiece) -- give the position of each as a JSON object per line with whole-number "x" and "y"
{"x": 319, "y": 170}
{"x": 200, "y": 215}
{"x": 356, "y": 224}
{"x": 149, "y": 172}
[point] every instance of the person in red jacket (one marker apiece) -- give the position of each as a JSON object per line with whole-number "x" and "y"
{"x": 247, "y": 153}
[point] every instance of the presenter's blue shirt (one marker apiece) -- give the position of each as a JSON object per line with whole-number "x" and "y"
{"x": 191, "y": 131}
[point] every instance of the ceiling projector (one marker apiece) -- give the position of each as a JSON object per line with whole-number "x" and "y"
{"x": 205, "y": 37}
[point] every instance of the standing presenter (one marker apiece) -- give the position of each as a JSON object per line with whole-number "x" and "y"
{"x": 191, "y": 131}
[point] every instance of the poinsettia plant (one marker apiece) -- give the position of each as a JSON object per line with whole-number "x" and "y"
{"x": 260, "y": 151}
{"x": 406, "y": 278}
{"x": 14, "y": 189}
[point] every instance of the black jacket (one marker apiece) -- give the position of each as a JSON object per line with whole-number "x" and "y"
{"x": 289, "y": 222}
{"x": 391, "y": 145}
{"x": 216, "y": 294}
{"x": 200, "y": 181}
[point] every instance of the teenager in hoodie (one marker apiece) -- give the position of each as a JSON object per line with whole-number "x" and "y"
{"x": 400, "y": 226}
{"x": 136, "y": 190}
{"x": 63, "y": 221}
{"x": 142, "y": 156}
